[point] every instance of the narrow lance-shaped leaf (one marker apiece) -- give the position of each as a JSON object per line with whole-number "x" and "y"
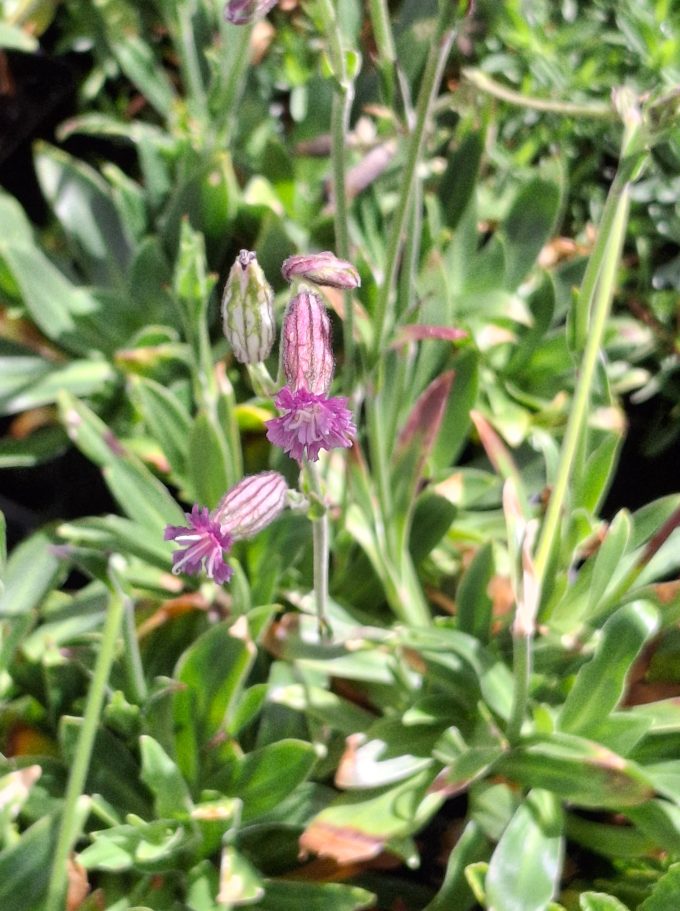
{"x": 416, "y": 440}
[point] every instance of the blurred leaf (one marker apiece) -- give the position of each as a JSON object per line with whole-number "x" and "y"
{"x": 42, "y": 445}
{"x": 660, "y": 820}
{"x": 416, "y": 440}
{"x": 291, "y": 896}
{"x": 33, "y": 569}
{"x": 600, "y": 684}
{"x": 16, "y": 39}
{"x": 598, "y": 901}
{"x": 166, "y": 418}
{"x": 665, "y": 892}
{"x": 164, "y": 780}
{"x": 360, "y": 825}
{"x": 152, "y": 847}
{"x": 212, "y": 673}
{"x": 473, "y": 604}
{"x": 581, "y": 771}
{"x": 29, "y": 381}
{"x": 455, "y": 892}
{"x": 208, "y": 470}
{"x": 118, "y": 535}
{"x": 528, "y": 226}
{"x": 82, "y": 201}
{"x": 608, "y": 557}
{"x": 25, "y": 866}
{"x": 139, "y": 493}
{"x": 524, "y": 870}
{"x": 239, "y": 883}
{"x": 266, "y": 776}
{"x": 458, "y": 180}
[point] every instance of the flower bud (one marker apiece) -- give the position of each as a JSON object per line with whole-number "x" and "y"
{"x": 247, "y": 311}
{"x": 306, "y": 344}
{"x": 243, "y": 12}
{"x": 252, "y": 504}
{"x": 322, "y": 269}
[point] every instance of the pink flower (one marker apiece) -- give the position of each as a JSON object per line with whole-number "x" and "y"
{"x": 310, "y": 423}
{"x": 322, "y": 269}
{"x": 243, "y": 511}
{"x": 203, "y": 543}
{"x": 243, "y": 12}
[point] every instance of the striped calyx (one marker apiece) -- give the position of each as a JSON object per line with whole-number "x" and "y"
{"x": 306, "y": 350}
{"x": 247, "y": 310}
{"x": 252, "y": 504}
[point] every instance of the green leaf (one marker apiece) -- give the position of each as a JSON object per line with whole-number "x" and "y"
{"x": 600, "y": 684}
{"x": 28, "y": 382}
{"x": 164, "y": 780}
{"x": 608, "y": 557}
{"x": 14, "y": 38}
{"x": 665, "y": 893}
{"x": 456, "y": 420}
{"x": 471, "y": 846}
{"x": 457, "y": 183}
{"x": 83, "y": 203}
{"x": 529, "y": 224}
{"x": 599, "y": 901}
{"x": 32, "y": 571}
{"x": 268, "y": 775}
{"x": 166, "y": 418}
{"x": 66, "y": 313}
{"x": 119, "y": 535}
{"x": 359, "y": 825}
{"x": 212, "y": 673}
{"x": 209, "y": 474}
{"x": 136, "y": 59}
{"x": 472, "y": 599}
{"x": 139, "y": 493}
{"x": 659, "y": 819}
{"x": 151, "y": 847}
{"x": 25, "y": 866}
{"x": 43, "y": 445}
{"x": 240, "y": 883}
{"x": 291, "y": 896}
{"x": 581, "y": 771}
{"x": 525, "y": 868}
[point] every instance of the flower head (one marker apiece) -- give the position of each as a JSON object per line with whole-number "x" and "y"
{"x": 203, "y": 543}
{"x": 247, "y": 310}
{"x": 306, "y": 351}
{"x": 310, "y": 423}
{"x": 322, "y": 269}
{"x": 244, "y": 510}
{"x": 243, "y": 12}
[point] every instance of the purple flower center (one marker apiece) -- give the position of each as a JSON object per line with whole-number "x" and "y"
{"x": 310, "y": 423}
{"x": 203, "y": 543}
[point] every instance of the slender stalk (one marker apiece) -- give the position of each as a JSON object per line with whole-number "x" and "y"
{"x": 387, "y": 55}
{"x": 132, "y": 659}
{"x": 191, "y": 65}
{"x": 488, "y": 85}
{"x": 81, "y": 761}
{"x": 612, "y": 243}
{"x": 343, "y": 96}
{"x": 429, "y": 87}
{"x": 321, "y": 554}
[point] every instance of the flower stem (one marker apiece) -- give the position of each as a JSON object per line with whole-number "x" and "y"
{"x": 434, "y": 68}
{"x": 81, "y": 761}
{"x": 488, "y": 85}
{"x": 602, "y": 293}
{"x": 321, "y": 553}
{"x": 522, "y": 663}
{"x": 387, "y": 55}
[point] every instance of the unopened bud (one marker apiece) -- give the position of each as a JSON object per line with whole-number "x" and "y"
{"x": 322, "y": 269}
{"x": 247, "y": 311}
{"x": 306, "y": 350}
{"x": 243, "y": 12}
{"x": 252, "y": 504}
